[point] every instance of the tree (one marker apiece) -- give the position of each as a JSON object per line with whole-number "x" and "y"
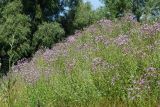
{"x": 2, "y": 5}
{"x": 147, "y": 8}
{"x": 54, "y": 33}
{"x": 27, "y": 25}
{"x": 40, "y": 11}
{"x": 151, "y": 10}
{"x": 77, "y": 15}
{"x": 138, "y": 7}
{"x": 69, "y": 15}
{"x": 83, "y": 16}
{"x": 116, "y": 8}
{"x": 100, "y": 13}
{"x": 14, "y": 34}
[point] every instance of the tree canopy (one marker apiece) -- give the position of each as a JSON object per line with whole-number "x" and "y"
{"x": 140, "y": 8}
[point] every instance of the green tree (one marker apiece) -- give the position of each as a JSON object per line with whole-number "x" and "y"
{"x": 54, "y": 33}
{"x": 14, "y": 34}
{"x": 77, "y": 15}
{"x": 40, "y": 11}
{"x": 84, "y": 15}
{"x": 116, "y": 8}
{"x": 27, "y": 25}
{"x": 151, "y": 10}
{"x": 140, "y": 8}
{"x": 100, "y": 13}
{"x": 2, "y": 5}
{"x": 69, "y": 15}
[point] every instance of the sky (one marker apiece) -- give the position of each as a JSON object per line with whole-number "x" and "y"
{"x": 95, "y": 3}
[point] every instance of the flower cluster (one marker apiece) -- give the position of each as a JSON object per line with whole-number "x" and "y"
{"x": 102, "y": 39}
{"x": 150, "y": 29}
{"x": 121, "y": 40}
{"x": 99, "y": 63}
{"x": 70, "y": 65}
{"x": 105, "y": 22}
{"x": 145, "y": 83}
{"x": 71, "y": 39}
{"x": 27, "y": 70}
{"x": 129, "y": 17}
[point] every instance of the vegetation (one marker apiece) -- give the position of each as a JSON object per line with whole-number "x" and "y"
{"x": 114, "y": 67}
{"x": 26, "y": 26}
{"x": 142, "y": 9}
{"x": 84, "y": 9}
{"x": 14, "y": 34}
{"x": 103, "y": 63}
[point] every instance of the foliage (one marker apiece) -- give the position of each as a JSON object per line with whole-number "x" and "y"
{"x": 100, "y": 13}
{"x": 102, "y": 68}
{"x": 14, "y": 32}
{"x": 109, "y": 64}
{"x": 143, "y": 9}
{"x": 83, "y": 16}
{"x": 69, "y": 15}
{"x": 116, "y": 8}
{"x": 151, "y": 11}
{"x": 42, "y": 9}
{"x": 48, "y": 34}
{"x": 27, "y": 25}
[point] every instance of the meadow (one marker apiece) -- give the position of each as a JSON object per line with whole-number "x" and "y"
{"x": 108, "y": 64}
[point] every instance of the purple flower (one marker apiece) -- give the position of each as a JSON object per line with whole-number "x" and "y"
{"x": 71, "y": 39}
{"x": 121, "y": 40}
{"x": 150, "y": 29}
{"x": 104, "y": 22}
{"x": 142, "y": 81}
{"x": 151, "y": 69}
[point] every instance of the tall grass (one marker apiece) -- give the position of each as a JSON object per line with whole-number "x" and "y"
{"x": 101, "y": 69}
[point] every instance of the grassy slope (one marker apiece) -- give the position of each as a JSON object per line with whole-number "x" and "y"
{"x": 109, "y": 64}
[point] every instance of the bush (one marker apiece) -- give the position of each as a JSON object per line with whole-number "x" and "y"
{"x": 47, "y": 34}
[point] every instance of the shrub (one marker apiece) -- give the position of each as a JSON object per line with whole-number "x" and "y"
{"x": 47, "y": 34}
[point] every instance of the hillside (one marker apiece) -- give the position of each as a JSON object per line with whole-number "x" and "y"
{"x": 110, "y": 63}
{"x": 30, "y": 68}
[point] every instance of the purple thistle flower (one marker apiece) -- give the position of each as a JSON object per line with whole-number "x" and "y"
{"x": 121, "y": 40}
{"x": 151, "y": 69}
{"x": 141, "y": 82}
{"x": 71, "y": 39}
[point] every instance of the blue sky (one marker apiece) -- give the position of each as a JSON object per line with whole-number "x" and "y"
{"x": 95, "y": 3}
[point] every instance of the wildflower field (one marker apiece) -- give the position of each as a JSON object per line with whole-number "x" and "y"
{"x": 108, "y": 64}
